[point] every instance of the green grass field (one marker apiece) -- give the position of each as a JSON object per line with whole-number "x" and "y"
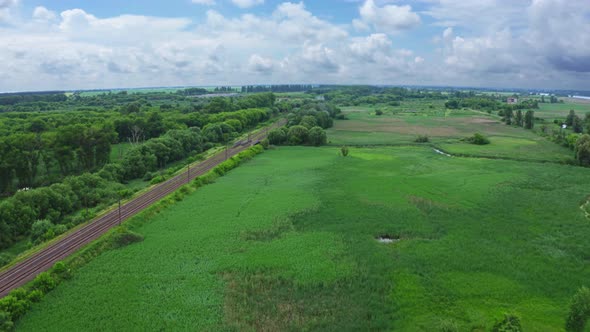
{"x": 287, "y": 242}
{"x": 561, "y": 110}
{"x": 445, "y": 128}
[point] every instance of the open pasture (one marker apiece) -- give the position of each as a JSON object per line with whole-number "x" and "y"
{"x": 561, "y": 110}
{"x": 445, "y": 128}
{"x": 287, "y": 242}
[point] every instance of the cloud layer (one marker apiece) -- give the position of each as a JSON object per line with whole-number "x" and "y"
{"x": 539, "y": 43}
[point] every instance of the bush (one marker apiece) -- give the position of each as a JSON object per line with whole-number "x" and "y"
{"x": 39, "y": 230}
{"x": 297, "y": 135}
{"x": 5, "y": 258}
{"x": 34, "y": 296}
{"x": 44, "y": 282}
{"x": 478, "y": 139}
{"x": 157, "y": 179}
{"x": 124, "y": 237}
{"x": 317, "y": 136}
{"x": 59, "y": 229}
{"x": 308, "y": 121}
{"x": 510, "y": 323}
{"x": 5, "y": 321}
{"x": 265, "y": 143}
{"x": 344, "y": 151}
{"x": 422, "y": 139}
{"x": 378, "y": 112}
{"x": 277, "y": 136}
{"x": 582, "y": 149}
{"x": 579, "y": 311}
{"x": 61, "y": 270}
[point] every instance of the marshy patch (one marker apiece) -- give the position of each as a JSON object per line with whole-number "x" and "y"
{"x": 387, "y": 238}
{"x": 278, "y": 227}
{"x": 425, "y": 205}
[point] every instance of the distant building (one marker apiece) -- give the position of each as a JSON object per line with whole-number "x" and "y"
{"x": 512, "y": 100}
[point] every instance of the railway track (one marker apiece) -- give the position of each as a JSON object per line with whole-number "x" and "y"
{"x": 26, "y": 270}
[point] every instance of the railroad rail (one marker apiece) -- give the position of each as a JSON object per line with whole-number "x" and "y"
{"x": 27, "y": 269}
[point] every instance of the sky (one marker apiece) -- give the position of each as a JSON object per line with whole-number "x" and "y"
{"x": 93, "y": 44}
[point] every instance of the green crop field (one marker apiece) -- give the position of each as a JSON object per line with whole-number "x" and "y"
{"x": 287, "y": 242}
{"x": 445, "y": 128}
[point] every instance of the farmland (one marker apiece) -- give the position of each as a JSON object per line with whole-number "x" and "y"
{"x": 288, "y": 242}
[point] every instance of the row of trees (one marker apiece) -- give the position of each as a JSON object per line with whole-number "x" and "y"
{"x": 79, "y": 155}
{"x": 15, "y": 98}
{"x": 277, "y": 88}
{"x": 490, "y": 104}
{"x": 578, "y": 124}
{"x": 298, "y": 135}
{"x": 526, "y": 120}
{"x": 305, "y": 125}
{"x": 56, "y": 204}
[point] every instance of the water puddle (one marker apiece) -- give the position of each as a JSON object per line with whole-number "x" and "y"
{"x": 387, "y": 238}
{"x": 443, "y": 153}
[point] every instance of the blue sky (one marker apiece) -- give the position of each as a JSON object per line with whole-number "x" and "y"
{"x": 75, "y": 44}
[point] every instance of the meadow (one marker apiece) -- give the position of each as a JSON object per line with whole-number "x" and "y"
{"x": 445, "y": 128}
{"x": 561, "y": 110}
{"x": 288, "y": 242}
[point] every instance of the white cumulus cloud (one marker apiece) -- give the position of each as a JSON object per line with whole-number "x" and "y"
{"x": 389, "y": 18}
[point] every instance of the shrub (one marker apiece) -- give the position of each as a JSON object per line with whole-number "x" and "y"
{"x": 510, "y": 323}
{"x": 297, "y": 135}
{"x": 34, "y": 296}
{"x": 317, "y": 136}
{"x": 265, "y": 143}
{"x": 61, "y": 270}
{"x": 277, "y": 136}
{"x": 478, "y": 139}
{"x": 158, "y": 179}
{"x": 5, "y": 321}
{"x": 344, "y": 151}
{"x": 5, "y": 258}
{"x": 579, "y": 311}
{"x": 59, "y": 229}
{"x": 124, "y": 237}
{"x": 583, "y": 150}
{"x": 308, "y": 121}
{"x": 15, "y": 304}
{"x": 40, "y": 229}
{"x": 422, "y": 139}
{"x": 44, "y": 282}
{"x": 378, "y": 112}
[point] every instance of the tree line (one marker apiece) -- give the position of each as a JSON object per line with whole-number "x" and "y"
{"x": 57, "y": 165}
{"x": 277, "y": 88}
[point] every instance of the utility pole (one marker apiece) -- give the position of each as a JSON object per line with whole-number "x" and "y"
{"x": 86, "y": 203}
{"x": 188, "y": 173}
{"x": 119, "y": 211}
